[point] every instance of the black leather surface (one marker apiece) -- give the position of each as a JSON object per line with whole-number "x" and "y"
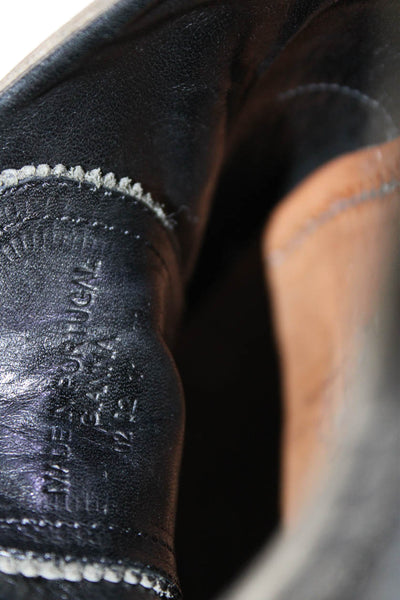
{"x": 331, "y": 90}
{"x": 146, "y": 91}
{"x": 155, "y": 99}
{"x": 91, "y": 407}
{"x": 195, "y": 100}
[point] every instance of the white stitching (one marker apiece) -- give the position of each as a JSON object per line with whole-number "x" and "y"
{"x": 341, "y": 89}
{"x": 28, "y": 522}
{"x": 50, "y": 567}
{"x": 12, "y": 177}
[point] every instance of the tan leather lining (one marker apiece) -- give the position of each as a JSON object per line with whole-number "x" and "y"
{"x": 329, "y": 248}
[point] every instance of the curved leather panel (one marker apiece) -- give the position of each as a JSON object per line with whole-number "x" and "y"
{"x": 150, "y": 91}
{"x": 330, "y": 248}
{"x": 331, "y": 90}
{"x": 91, "y": 407}
{"x": 169, "y": 93}
{"x": 333, "y": 267}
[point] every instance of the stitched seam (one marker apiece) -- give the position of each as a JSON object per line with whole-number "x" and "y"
{"x": 277, "y": 257}
{"x": 40, "y": 524}
{"x": 13, "y": 177}
{"x": 341, "y": 89}
{"x": 25, "y": 186}
{"x": 53, "y": 567}
{"x": 69, "y": 219}
{"x": 93, "y": 224}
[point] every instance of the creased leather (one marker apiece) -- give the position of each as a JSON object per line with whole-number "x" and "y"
{"x": 91, "y": 404}
{"x": 147, "y": 92}
{"x": 170, "y": 94}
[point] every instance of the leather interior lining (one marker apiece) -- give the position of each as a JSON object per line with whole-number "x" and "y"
{"x": 329, "y": 248}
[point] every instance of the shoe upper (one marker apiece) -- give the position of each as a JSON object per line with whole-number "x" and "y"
{"x": 115, "y": 145}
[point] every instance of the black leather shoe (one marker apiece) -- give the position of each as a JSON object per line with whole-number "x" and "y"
{"x": 116, "y": 138}
{"x": 92, "y": 275}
